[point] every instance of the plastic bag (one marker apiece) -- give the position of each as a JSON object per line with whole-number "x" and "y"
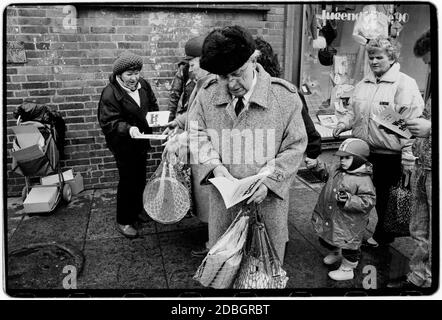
{"x": 166, "y": 196}
{"x": 221, "y": 264}
{"x": 399, "y": 209}
{"x": 260, "y": 267}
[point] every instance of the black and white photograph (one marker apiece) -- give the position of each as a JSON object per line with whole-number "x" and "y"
{"x": 220, "y": 149}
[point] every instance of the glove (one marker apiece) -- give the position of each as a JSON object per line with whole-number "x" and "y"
{"x": 310, "y": 163}
{"x": 342, "y": 197}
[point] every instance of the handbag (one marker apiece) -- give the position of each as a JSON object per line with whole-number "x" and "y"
{"x": 260, "y": 267}
{"x": 166, "y": 196}
{"x": 219, "y": 267}
{"x": 399, "y": 209}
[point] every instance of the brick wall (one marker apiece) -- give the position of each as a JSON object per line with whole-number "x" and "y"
{"x": 69, "y": 62}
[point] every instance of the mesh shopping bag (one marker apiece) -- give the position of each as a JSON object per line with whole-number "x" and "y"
{"x": 260, "y": 267}
{"x": 219, "y": 267}
{"x": 167, "y": 199}
{"x": 399, "y": 208}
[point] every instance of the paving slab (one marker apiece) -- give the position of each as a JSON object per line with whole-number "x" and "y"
{"x": 180, "y": 266}
{"x": 15, "y": 214}
{"x": 121, "y": 263}
{"x": 67, "y": 223}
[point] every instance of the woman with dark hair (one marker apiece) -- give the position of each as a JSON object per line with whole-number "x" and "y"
{"x": 268, "y": 59}
{"x": 122, "y": 111}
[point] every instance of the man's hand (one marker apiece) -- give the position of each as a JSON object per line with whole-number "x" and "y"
{"x": 419, "y": 127}
{"x": 338, "y": 130}
{"x": 171, "y": 128}
{"x": 134, "y": 132}
{"x": 221, "y": 171}
{"x": 311, "y": 163}
{"x": 342, "y": 196}
{"x": 259, "y": 195}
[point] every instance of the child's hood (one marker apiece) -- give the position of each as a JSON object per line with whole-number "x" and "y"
{"x": 365, "y": 169}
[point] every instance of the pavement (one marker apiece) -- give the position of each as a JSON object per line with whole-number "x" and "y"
{"x": 78, "y": 247}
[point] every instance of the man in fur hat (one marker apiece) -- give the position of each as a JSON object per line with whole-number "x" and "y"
{"x": 244, "y": 123}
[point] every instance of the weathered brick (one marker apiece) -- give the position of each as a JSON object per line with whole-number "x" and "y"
{"x": 14, "y": 101}
{"x": 77, "y": 98}
{"x": 68, "y": 92}
{"x": 41, "y": 92}
{"x": 103, "y": 29}
{"x": 71, "y": 163}
{"x": 11, "y": 70}
{"x": 40, "y": 77}
{"x": 67, "y": 106}
{"x": 31, "y": 12}
{"x": 33, "y": 21}
{"x": 34, "y": 29}
{"x": 130, "y": 45}
{"x": 70, "y": 37}
{"x": 35, "y": 85}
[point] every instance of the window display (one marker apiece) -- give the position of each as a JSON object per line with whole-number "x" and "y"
{"x": 333, "y": 50}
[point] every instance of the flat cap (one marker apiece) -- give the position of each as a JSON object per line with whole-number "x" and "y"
{"x": 226, "y": 49}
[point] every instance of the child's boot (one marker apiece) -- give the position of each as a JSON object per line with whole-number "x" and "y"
{"x": 333, "y": 257}
{"x": 344, "y": 272}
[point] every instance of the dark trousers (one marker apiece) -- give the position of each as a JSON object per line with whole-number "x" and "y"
{"x": 386, "y": 173}
{"x": 349, "y": 254}
{"x": 132, "y": 171}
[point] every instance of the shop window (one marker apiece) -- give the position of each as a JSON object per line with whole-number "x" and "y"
{"x": 333, "y": 50}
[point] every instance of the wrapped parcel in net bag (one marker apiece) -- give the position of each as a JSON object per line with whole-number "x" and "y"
{"x": 219, "y": 267}
{"x": 260, "y": 267}
{"x": 166, "y": 198}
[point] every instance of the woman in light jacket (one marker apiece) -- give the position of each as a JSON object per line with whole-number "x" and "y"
{"x": 391, "y": 155}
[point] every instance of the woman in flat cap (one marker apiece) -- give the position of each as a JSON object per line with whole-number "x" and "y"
{"x": 122, "y": 111}
{"x": 245, "y": 123}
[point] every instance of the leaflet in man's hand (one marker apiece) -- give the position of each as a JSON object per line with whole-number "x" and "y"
{"x": 236, "y": 191}
{"x": 393, "y": 121}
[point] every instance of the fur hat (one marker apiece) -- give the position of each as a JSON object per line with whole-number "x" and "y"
{"x": 127, "y": 60}
{"x": 194, "y": 47}
{"x": 227, "y": 49}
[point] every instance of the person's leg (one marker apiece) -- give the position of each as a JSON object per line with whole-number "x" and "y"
{"x": 334, "y": 254}
{"x": 386, "y": 174}
{"x": 350, "y": 259}
{"x": 132, "y": 176}
{"x": 420, "y": 230}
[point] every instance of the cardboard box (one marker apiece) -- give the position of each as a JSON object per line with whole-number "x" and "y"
{"x": 54, "y": 179}
{"x": 40, "y": 199}
{"x": 76, "y": 184}
{"x": 29, "y": 143}
{"x": 28, "y": 136}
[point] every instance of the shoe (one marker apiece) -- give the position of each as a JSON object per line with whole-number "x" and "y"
{"x": 371, "y": 243}
{"x": 333, "y": 257}
{"x": 199, "y": 253}
{"x": 402, "y": 283}
{"x": 127, "y": 230}
{"x": 344, "y": 272}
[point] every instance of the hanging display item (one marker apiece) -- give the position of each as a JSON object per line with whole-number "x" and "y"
{"x": 370, "y": 24}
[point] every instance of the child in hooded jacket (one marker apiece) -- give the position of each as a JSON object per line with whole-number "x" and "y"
{"x": 341, "y": 213}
